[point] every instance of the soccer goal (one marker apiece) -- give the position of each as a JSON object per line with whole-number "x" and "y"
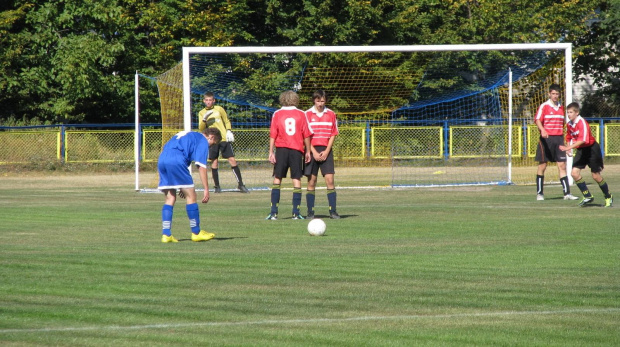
{"x": 436, "y": 115}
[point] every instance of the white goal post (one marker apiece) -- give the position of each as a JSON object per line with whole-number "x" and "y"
{"x": 566, "y": 47}
{"x": 420, "y": 155}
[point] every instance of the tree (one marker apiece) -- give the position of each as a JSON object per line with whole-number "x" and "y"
{"x": 599, "y": 57}
{"x": 70, "y": 61}
{"x": 60, "y": 58}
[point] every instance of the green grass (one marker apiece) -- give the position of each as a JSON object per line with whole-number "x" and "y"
{"x": 81, "y": 264}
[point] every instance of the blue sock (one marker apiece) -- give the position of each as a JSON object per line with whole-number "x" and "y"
{"x": 194, "y": 217}
{"x": 310, "y": 198}
{"x": 296, "y": 200}
{"x": 275, "y": 198}
{"x": 166, "y": 219}
{"x": 331, "y": 199}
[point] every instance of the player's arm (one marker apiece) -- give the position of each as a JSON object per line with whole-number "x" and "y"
{"x": 204, "y": 178}
{"x": 571, "y": 143}
{"x": 541, "y": 128}
{"x": 315, "y": 154}
{"x": 572, "y": 146}
{"x": 201, "y": 123}
{"x": 202, "y": 118}
{"x": 325, "y": 153}
{"x": 272, "y": 155}
{"x": 229, "y": 135}
{"x": 308, "y": 148}
{"x": 225, "y": 119}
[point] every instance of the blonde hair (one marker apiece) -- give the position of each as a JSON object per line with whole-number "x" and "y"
{"x": 289, "y": 98}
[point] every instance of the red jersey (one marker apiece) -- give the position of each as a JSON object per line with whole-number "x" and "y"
{"x": 324, "y": 125}
{"x": 552, "y": 118}
{"x": 579, "y": 130}
{"x": 289, "y": 128}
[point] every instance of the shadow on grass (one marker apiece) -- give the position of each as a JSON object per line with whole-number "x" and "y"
{"x": 216, "y": 239}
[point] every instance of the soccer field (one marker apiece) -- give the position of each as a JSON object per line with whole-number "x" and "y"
{"x": 82, "y": 265}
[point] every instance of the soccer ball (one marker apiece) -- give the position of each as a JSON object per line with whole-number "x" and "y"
{"x": 316, "y": 227}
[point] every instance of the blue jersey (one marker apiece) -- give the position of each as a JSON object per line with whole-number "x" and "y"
{"x": 176, "y": 157}
{"x": 193, "y": 146}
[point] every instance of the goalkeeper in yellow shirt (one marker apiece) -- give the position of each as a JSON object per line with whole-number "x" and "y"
{"x": 214, "y": 116}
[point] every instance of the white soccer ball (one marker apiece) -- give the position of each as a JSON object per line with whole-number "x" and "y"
{"x": 316, "y": 227}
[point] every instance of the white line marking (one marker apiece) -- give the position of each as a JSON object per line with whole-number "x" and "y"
{"x": 306, "y": 321}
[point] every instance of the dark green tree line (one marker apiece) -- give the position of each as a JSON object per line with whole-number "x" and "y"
{"x": 72, "y": 61}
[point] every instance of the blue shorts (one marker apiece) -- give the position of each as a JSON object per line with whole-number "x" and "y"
{"x": 173, "y": 171}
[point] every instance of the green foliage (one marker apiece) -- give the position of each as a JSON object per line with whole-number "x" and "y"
{"x": 599, "y": 56}
{"x": 67, "y": 61}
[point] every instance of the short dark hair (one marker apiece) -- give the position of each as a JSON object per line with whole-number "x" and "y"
{"x": 319, "y": 94}
{"x": 208, "y": 95}
{"x": 215, "y": 132}
{"x": 555, "y": 87}
{"x": 574, "y": 106}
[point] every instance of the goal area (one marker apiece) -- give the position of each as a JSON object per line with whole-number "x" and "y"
{"x": 408, "y": 116}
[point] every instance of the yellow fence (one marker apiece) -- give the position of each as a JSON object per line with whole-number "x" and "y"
{"x": 533, "y": 135}
{"x": 355, "y": 143}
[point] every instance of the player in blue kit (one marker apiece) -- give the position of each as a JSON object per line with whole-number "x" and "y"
{"x": 173, "y": 168}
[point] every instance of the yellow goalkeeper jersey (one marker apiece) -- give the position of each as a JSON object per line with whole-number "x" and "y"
{"x": 214, "y": 117}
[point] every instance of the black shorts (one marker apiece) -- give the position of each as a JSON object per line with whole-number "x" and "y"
{"x": 590, "y": 156}
{"x": 327, "y": 166}
{"x": 224, "y": 147}
{"x": 288, "y": 158}
{"x": 548, "y": 150}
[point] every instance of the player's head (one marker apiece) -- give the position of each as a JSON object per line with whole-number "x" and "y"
{"x": 208, "y": 99}
{"x": 554, "y": 92}
{"x": 319, "y": 98}
{"x": 213, "y": 135}
{"x": 289, "y": 98}
{"x": 319, "y": 94}
{"x": 572, "y": 110}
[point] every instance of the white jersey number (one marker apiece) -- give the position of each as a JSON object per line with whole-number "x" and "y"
{"x": 289, "y": 126}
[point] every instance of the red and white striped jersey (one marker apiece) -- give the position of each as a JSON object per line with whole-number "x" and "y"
{"x": 289, "y": 128}
{"x": 324, "y": 125}
{"x": 579, "y": 130}
{"x": 552, "y": 118}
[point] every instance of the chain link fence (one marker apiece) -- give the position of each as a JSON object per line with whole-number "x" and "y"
{"x": 420, "y": 154}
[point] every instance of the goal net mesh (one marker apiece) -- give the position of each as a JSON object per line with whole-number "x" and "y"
{"x": 405, "y": 118}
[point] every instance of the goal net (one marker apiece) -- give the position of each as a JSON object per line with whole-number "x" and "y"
{"x": 408, "y": 115}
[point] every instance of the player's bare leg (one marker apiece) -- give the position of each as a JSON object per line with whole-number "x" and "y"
{"x": 235, "y": 169}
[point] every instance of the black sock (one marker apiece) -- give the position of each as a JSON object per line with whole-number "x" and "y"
{"x": 565, "y": 185}
{"x": 216, "y": 177}
{"x": 540, "y": 182}
{"x": 584, "y": 188}
{"x": 237, "y": 174}
{"x": 604, "y": 188}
